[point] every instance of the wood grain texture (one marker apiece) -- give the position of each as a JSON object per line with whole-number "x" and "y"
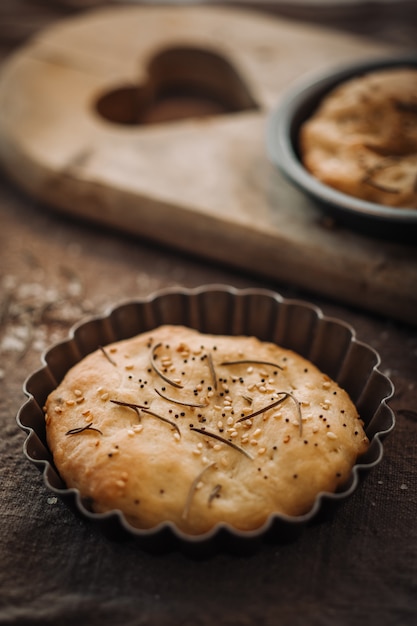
{"x": 203, "y": 185}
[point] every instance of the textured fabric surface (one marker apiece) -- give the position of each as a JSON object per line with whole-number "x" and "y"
{"x": 357, "y": 568}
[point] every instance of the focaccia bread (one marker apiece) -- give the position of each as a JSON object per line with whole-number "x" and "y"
{"x": 199, "y": 429}
{"x": 362, "y": 140}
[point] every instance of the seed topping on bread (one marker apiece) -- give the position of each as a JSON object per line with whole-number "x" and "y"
{"x": 201, "y": 429}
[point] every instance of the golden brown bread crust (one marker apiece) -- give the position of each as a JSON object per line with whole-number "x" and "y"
{"x": 362, "y": 140}
{"x": 211, "y": 462}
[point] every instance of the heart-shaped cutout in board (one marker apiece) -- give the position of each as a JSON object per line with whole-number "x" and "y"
{"x": 182, "y": 82}
{"x": 72, "y": 136}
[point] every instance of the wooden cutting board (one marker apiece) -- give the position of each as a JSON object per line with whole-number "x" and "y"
{"x": 95, "y": 121}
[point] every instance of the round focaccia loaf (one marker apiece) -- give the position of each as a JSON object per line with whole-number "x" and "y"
{"x": 362, "y": 140}
{"x": 199, "y": 429}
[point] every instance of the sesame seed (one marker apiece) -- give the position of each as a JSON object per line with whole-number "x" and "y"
{"x": 261, "y": 451}
{"x": 78, "y": 392}
{"x": 58, "y": 409}
{"x": 331, "y": 435}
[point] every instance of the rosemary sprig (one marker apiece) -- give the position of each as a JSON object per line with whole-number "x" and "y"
{"x": 145, "y": 409}
{"x": 251, "y": 361}
{"x": 215, "y": 492}
{"x": 222, "y": 439}
{"x": 368, "y": 177}
{"x": 368, "y": 181}
{"x": 107, "y": 355}
{"x": 158, "y": 371}
{"x": 263, "y": 410}
{"x": 407, "y": 107}
{"x": 285, "y": 395}
{"x": 192, "y": 490}
{"x": 163, "y": 419}
{"x": 182, "y": 403}
{"x": 248, "y": 399}
{"x": 82, "y": 429}
{"x": 212, "y": 370}
{"x": 130, "y": 405}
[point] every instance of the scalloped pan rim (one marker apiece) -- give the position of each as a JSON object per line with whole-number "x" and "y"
{"x": 278, "y": 527}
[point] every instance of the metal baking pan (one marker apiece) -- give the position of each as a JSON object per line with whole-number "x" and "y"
{"x": 218, "y": 309}
{"x": 284, "y": 122}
